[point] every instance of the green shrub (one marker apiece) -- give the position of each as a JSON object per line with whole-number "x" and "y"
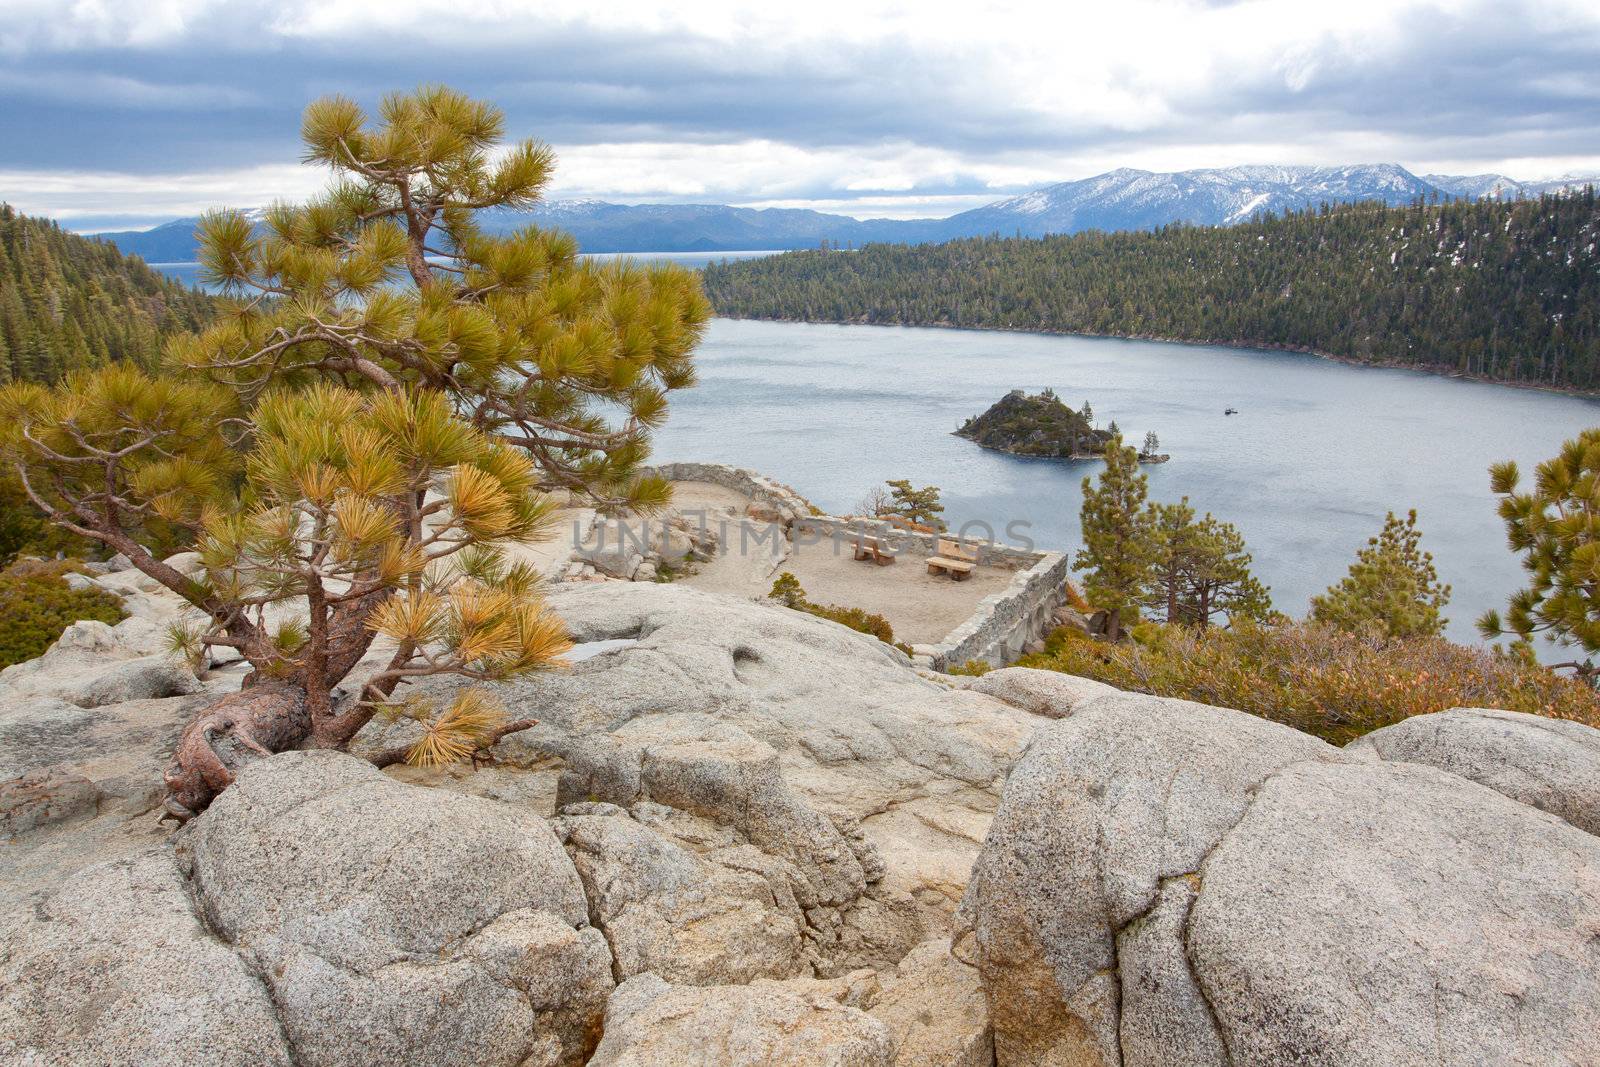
{"x": 1327, "y": 682}
{"x": 36, "y": 605}
{"x": 786, "y": 589}
{"x": 973, "y": 668}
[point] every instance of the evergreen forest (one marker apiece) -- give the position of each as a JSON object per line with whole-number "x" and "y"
{"x": 1503, "y": 290}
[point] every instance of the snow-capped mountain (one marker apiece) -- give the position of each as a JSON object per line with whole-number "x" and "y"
{"x": 1122, "y": 199}
{"x": 1129, "y": 199}
{"x": 1478, "y": 186}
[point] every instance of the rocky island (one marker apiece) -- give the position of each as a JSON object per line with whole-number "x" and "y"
{"x": 1044, "y": 426}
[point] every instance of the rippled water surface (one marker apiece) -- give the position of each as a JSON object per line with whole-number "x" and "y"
{"x": 1318, "y": 452}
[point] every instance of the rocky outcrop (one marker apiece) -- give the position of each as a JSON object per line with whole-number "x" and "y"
{"x": 739, "y": 835}
{"x": 818, "y": 746}
{"x": 117, "y": 969}
{"x": 650, "y": 1023}
{"x": 1551, "y": 764}
{"x": 93, "y": 663}
{"x": 1172, "y": 883}
{"x": 1047, "y": 693}
{"x": 727, "y": 916}
{"x": 427, "y": 927}
{"x": 935, "y": 1007}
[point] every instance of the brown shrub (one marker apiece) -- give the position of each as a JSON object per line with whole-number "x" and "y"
{"x": 1326, "y": 682}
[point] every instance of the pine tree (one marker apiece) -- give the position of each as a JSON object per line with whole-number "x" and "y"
{"x": 1120, "y": 550}
{"x": 1201, "y": 570}
{"x": 1392, "y": 588}
{"x": 1152, "y": 444}
{"x": 1556, "y": 529}
{"x": 1220, "y": 582}
{"x": 366, "y": 447}
{"x": 920, "y": 506}
{"x": 1172, "y": 526}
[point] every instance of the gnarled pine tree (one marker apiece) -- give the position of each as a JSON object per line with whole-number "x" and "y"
{"x": 386, "y": 396}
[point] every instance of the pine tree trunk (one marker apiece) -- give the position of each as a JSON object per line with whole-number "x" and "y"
{"x": 1114, "y": 625}
{"x": 240, "y": 727}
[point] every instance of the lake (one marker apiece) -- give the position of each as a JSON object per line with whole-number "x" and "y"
{"x": 1317, "y": 454}
{"x": 189, "y": 273}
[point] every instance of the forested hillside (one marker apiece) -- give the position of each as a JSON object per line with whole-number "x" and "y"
{"x": 1503, "y": 290}
{"x": 68, "y": 302}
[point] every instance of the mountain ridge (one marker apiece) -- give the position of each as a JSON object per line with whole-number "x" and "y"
{"x": 1123, "y": 199}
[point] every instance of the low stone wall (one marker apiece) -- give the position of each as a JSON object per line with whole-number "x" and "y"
{"x": 774, "y": 501}
{"x": 1006, "y": 622}
{"x": 1003, "y": 623}
{"x": 994, "y": 553}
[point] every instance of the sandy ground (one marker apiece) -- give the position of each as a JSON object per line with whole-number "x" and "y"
{"x": 922, "y": 608}
{"x": 755, "y": 551}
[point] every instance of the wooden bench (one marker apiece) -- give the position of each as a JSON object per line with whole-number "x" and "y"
{"x": 959, "y": 570}
{"x": 955, "y": 550}
{"x": 874, "y": 549}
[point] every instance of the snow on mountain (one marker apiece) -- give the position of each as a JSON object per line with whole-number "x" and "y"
{"x": 1123, "y": 199}
{"x": 1478, "y": 186}
{"x": 1140, "y": 199}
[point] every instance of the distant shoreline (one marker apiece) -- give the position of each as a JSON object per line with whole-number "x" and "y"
{"x": 1437, "y": 370}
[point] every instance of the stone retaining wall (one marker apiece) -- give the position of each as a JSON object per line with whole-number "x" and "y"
{"x": 994, "y": 553}
{"x": 781, "y": 503}
{"x": 1003, "y": 623}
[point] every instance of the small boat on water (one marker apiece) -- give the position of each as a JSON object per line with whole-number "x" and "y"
{"x": 1231, "y": 411}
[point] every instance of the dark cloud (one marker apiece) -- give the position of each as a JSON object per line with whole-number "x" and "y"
{"x": 1492, "y": 86}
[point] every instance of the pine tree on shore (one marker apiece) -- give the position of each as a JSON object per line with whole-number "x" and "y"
{"x": 1119, "y": 550}
{"x": 1392, "y": 588}
{"x": 1556, "y": 529}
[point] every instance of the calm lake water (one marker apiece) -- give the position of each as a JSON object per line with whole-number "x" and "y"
{"x": 1317, "y": 454}
{"x": 189, "y": 273}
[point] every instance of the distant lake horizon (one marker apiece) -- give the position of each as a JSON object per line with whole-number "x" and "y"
{"x": 1318, "y": 453}
{"x": 189, "y": 273}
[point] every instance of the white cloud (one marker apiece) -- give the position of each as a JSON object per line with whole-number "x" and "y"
{"x": 75, "y": 194}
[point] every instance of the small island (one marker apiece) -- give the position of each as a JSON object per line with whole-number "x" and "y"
{"x": 1043, "y": 426}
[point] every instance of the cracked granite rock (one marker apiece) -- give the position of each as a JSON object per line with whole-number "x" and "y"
{"x": 1170, "y": 883}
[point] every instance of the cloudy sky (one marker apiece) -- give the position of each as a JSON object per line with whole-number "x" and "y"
{"x": 121, "y": 113}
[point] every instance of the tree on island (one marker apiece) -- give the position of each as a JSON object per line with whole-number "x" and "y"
{"x": 1120, "y": 548}
{"x": 383, "y": 400}
{"x": 920, "y": 506}
{"x": 1556, "y": 529}
{"x": 1152, "y": 444}
{"x": 1392, "y": 588}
